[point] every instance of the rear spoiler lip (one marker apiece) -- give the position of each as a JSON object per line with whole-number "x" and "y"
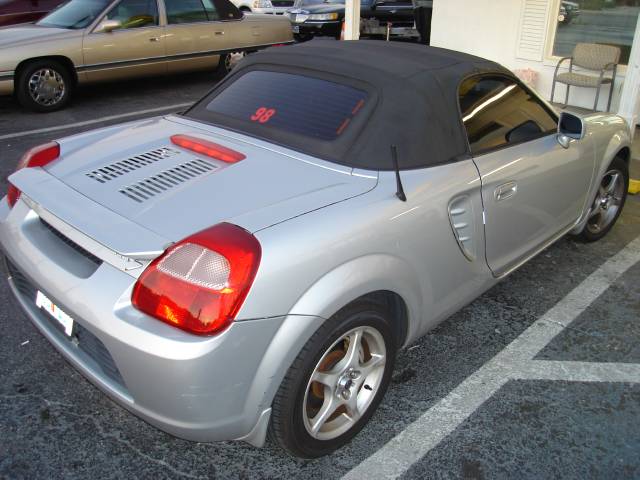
{"x": 48, "y": 196}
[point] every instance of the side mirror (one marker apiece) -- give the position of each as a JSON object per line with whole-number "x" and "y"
{"x": 109, "y": 26}
{"x": 570, "y": 126}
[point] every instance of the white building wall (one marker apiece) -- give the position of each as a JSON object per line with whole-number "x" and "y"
{"x": 491, "y": 29}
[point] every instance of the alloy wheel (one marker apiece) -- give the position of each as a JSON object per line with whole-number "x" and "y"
{"x": 344, "y": 383}
{"x": 607, "y": 202}
{"x": 232, "y": 59}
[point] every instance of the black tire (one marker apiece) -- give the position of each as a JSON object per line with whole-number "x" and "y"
{"x": 22, "y": 86}
{"x": 588, "y": 233}
{"x": 287, "y": 426}
{"x": 302, "y": 37}
{"x": 227, "y": 62}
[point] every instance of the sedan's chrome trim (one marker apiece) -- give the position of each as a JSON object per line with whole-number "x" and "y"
{"x": 170, "y": 58}
{"x": 6, "y": 76}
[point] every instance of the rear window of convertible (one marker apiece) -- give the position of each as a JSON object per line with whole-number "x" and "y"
{"x": 275, "y": 105}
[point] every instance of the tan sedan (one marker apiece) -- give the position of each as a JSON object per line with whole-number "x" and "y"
{"x": 97, "y": 40}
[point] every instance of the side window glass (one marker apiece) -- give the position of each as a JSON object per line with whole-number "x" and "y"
{"x": 135, "y": 13}
{"x": 496, "y": 112}
{"x": 185, "y": 11}
{"x": 212, "y": 12}
{"x": 226, "y": 10}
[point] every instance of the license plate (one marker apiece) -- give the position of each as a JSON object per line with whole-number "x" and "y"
{"x": 52, "y": 309}
{"x": 296, "y": 29}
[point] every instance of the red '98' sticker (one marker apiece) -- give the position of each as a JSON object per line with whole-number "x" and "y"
{"x": 263, "y": 114}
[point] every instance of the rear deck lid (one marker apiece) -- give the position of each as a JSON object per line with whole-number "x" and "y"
{"x": 136, "y": 172}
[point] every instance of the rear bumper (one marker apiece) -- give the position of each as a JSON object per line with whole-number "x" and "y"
{"x": 197, "y": 388}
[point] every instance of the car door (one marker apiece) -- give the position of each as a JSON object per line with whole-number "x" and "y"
{"x": 195, "y": 34}
{"x": 135, "y": 49}
{"x": 533, "y": 189}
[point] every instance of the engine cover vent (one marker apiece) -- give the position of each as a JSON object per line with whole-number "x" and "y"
{"x": 122, "y": 167}
{"x": 166, "y": 180}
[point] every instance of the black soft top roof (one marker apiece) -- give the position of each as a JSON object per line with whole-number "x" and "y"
{"x": 416, "y": 97}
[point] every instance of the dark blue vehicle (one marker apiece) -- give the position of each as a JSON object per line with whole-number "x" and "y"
{"x": 311, "y": 18}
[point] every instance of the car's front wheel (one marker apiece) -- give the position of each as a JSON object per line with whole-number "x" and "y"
{"x": 336, "y": 382}
{"x": 44, "y": 86}
{"x": 302, "y": 37}
{"x": 608, "y": 203}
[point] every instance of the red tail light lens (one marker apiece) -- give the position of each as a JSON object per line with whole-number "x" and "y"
{"x": 36, "y": 157}
{"x": 205, "y": 147}
{"x": 200, "y": 283}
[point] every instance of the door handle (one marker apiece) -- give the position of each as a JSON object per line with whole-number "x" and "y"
{"x": 219, "y": 32}
{"x": 505, "y": 191}
{"x": 154, "y": 39}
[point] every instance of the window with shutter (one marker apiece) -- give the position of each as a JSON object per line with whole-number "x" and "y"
{"x": 533, "y": 29}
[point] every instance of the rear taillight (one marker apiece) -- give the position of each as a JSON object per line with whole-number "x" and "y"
{"x": 36, "y": 157}
{"x": 200, "y": 283}
{"x": 205, "y": 147}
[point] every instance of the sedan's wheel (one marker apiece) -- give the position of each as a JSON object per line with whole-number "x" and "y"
{"x": 336, "y": 383}
{"x": 607, "y": 205}
{"x": 230, "y": 60}
{"x": 44, "y": 86}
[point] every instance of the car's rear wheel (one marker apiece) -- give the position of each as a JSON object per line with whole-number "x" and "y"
{"x": 44, "y": 86}
{"x": 228, "y": 61}
{"x": 608, "y": 203}
{"x": 336, "y": 382}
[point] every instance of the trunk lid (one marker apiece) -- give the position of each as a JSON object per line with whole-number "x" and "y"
{"x": 136, "y": 172}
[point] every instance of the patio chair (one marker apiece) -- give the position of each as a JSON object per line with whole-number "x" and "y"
{"x": 589, "y": 56}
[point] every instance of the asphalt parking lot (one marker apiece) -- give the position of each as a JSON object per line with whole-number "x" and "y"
{"x": 538, "y": 378}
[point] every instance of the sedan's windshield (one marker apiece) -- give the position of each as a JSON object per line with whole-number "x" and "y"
{"x": 75, "y": 14}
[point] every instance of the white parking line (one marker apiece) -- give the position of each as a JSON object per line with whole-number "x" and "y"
{"x": 97, "y": 120}
{"x": 580, "y": 371}
{"x": 513, "y": 362}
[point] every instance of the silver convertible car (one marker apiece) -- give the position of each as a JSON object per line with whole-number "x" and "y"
{"x": 253, "y": 265}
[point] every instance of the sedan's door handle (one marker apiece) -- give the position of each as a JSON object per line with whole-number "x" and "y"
{"x": 220, "y": 32}
{"x": 154, "y": 39}
{"x": 505, "y": 191}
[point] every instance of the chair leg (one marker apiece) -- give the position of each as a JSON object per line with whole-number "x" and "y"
{"x": 610, "y": 95}
{"x": 595, "y": 104}
{"x": 613, "y": 82}
{"x": 566, "y": 96}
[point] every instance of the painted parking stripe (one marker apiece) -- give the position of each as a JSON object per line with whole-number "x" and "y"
{"x": 579, "y": 371}
{"x": 67, "y": 126}
{"x": 514, "y": 362}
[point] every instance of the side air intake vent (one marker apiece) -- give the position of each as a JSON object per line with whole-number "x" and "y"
{"x": 166, "y": 180}
{"x": 122, "y": 167}
{"x": 462, "y": 223}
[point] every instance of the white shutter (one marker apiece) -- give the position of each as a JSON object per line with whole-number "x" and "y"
{"x": 533, "y": 29}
